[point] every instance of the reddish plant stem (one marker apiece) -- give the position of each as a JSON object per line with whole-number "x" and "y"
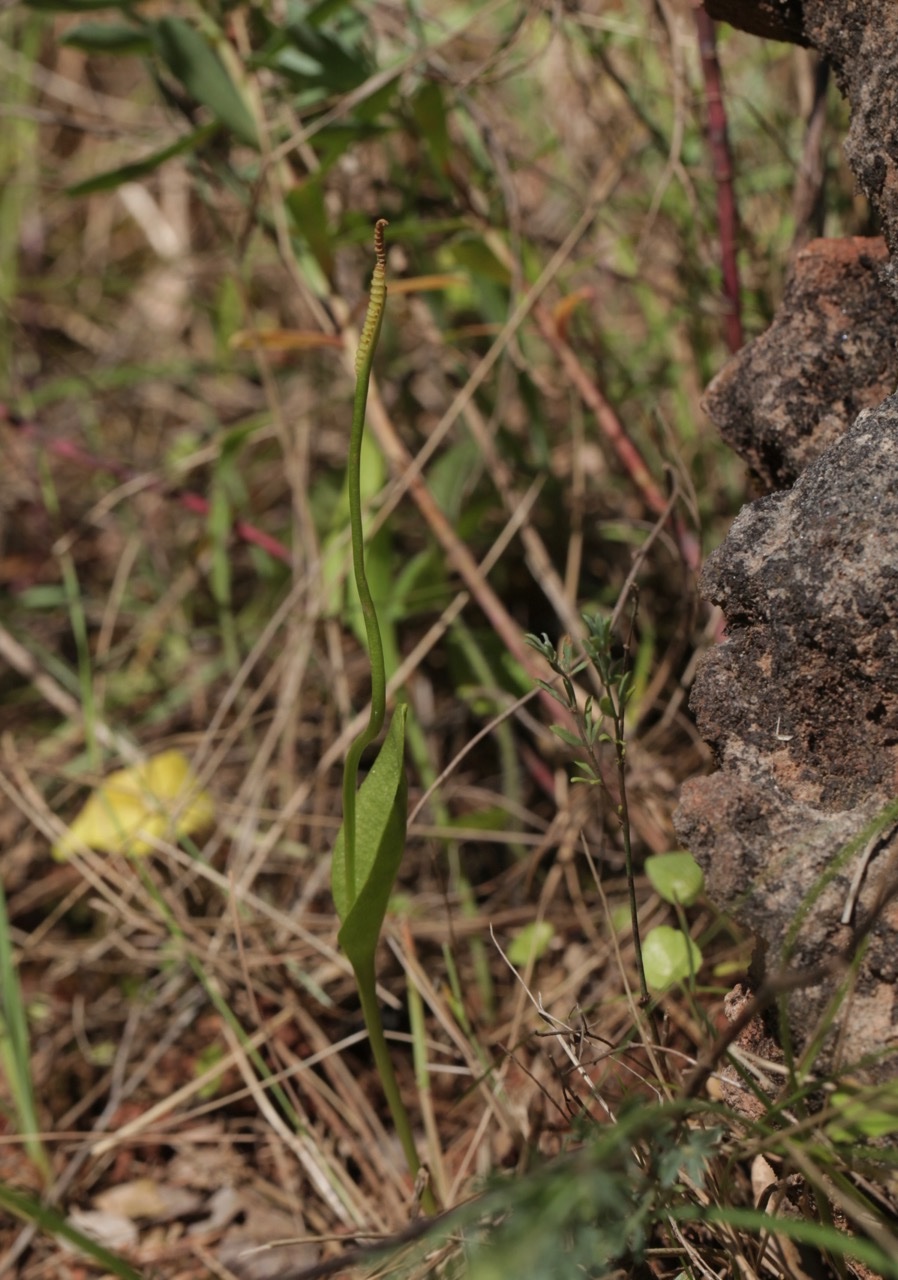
{"x": 722, "y": 162}
{"x": 615, "y": 433}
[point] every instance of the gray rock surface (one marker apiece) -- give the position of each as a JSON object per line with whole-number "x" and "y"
{"x": 800, "y": 703}
{"x": 798, "y": 829}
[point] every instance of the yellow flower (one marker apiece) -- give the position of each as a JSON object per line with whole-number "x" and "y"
{"x": 157, "y": 799}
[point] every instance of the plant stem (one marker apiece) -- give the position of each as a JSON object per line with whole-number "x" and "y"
{"x": 623, "y": 813}
{"x": 619, "y": 715}
{"x": 366, "y": 980}
{"x": 363, "y": 362}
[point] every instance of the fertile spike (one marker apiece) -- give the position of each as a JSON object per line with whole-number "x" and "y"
{"x": 376, "y": 299}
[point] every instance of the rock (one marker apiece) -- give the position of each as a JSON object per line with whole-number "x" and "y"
{"x": 860, "y": 39}
{"x": 798, "y": 830}
{"x": 800, "y": 704}
{"x": 775, "y": 19}
{"x": 831, "y": 351}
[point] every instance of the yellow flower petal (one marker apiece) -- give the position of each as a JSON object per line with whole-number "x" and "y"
{"x": 158, "y": 798}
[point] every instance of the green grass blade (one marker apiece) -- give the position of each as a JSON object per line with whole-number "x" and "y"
{"x": 138, "y": 169}
{"x": 801, "y": 1230}
{"x": 14, "y": 1048}
{"x": 108, "y": 37}
{"x": 53, "y": 1223}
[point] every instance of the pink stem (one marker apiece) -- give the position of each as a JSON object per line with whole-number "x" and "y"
{"x": 722, "y": 160}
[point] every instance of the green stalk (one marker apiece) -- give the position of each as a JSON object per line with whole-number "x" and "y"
{"x": 366, "y": 979}
{"x": 363, "y": 362}
{"x": 623, "y": 813}
{"x": 384, "y": 790}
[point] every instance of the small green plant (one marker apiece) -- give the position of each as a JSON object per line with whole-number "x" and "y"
{"x": 371, "y": 841}
{"x": 590, "y": 720}
{"x": 604, "y": 1201}
{"x": 667, "y": 955}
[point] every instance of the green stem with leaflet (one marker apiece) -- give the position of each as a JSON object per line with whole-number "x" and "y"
{"x": 363, "y": 362}
{"x": 362, "y": 908}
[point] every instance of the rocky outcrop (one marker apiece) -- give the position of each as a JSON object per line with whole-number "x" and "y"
{"x": 831, "y": 351}
{"x": 798, "y": 829}
{"x": 800, "y": 703}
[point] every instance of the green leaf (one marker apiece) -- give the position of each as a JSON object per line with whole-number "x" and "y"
{"x": 492, "y": 819}
{"x": 191, "y": 60}
{"x": 804, "y": 1230}
{"x": 669, "y": 956}
{"x": 108, "y": 37}
{"x": 476, "y": 256}
{"x": 621, "y": 917}
{"x": 420, "y": 586}
{"x": 862, "y": 1115}
{"x": 586, "y": 767}
{"x": 690, "y": 1156}
{"x": 51, "y": 1221}
{"x": 380, "y": 842}
{"x": 219, "y": 523}
{"x": 429, "y": 110}
{"x": 533, "y": 940}
{"x": 323, "y": 60}
{"x": 309, "y": 214}
{"x": 677, "y": 877}
{"x": 140, "y": 168}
